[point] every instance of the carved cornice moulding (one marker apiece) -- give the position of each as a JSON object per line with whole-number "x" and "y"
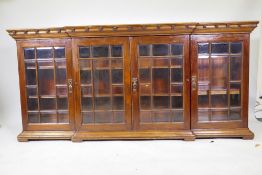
{"x": 134, "y": 30}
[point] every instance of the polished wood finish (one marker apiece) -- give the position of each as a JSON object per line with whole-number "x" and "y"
{"x": 45, "y": 135}
{"x": 135, "y": 30}
{"x": 136, "y": 135}
{"x": 170, "y": 105}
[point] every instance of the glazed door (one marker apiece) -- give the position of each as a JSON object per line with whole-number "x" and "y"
{"x": 102, "y": 72}
{"x": 219, "y": 81}
{"x": 160, "y": 82}
{"x": 45, "y": 84}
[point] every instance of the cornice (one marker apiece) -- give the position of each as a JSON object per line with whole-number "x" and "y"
{"x": 135, "y": 30}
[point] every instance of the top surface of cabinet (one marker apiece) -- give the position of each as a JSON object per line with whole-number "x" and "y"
{"x": 135, "y": 30}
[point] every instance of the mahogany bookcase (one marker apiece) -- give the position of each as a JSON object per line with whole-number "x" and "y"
{"x": 145, "y": 81}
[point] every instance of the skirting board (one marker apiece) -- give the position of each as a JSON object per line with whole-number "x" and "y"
{"x": 133, "y": 135}
{"x": 243, "y": 133}
{"x": 187, "y": 135}
{"x": 45, "y": 135}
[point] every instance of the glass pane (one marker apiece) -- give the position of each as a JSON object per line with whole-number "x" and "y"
{"x": 117, "y": 90}
{"x": 144, "y": 75}
{"x": 177, "y": 49}
{"x": 30, "y": 71}
{"x": 203, "y": 70}
{"x": 235, "y": 114}
{"x": 61, "y": 72}
{"x": 203, "y": 48}
{"x": 46, "y": 78}
{"x": 161, "y": 102}
{"x": 177, "y": 75}
{"x": 33, "y": 117}
{"x": 103, "y": 117}
{"x": 203, "y": 115}
{"x": 235, "y": 100}
{"x": 219, "y": 73}
{"x": 32, "y": 104}
{"x": 218, "y": 101}
{"x": 63, "y": 117}
{"x": 44, "y": 52}
{"x": 219, "y": 115}
{"x": 86, "y": 90}
{"x": 235, "y": 68}
{"x": 100, "y": 51}
{"x": 85, "y": 76}
{"x": 203, "y": 101}
{"x": 88, "y": 117}
{"x": 29, "y": 53}
{"x": 177, "y": 102}
{"x": 160, "y": 49}
{"x": 119, "y": 117}
{"x": 117, "y": 76}
{"x": 177, "y": 62}
{"x": 84, "y": 52}
{"x": 145, "y": 102}
{"x": 160, "y": 80}
{"x": 219, "y": 48}
{"x": 86, "y": 103}
{"x": 116, "y": 51}
{"x": 47, "y": 103}
{"x": 59, "y": 52}
{"x": 101, "y": 82}
{"x": 145, "y": 117}
{"x": 61, "y": 90}
{"x": 177, "y": 89}
{"x": 85, "y": 64}
{"x": 103, "y": 103}
{"x": 177, "y": 116}
{"x": 160, "y": 62}
{"x": 144, "y": 50}
{"x": 145, "y": 89}
{"x": 116, "y": 63}
{"x": 62, "y": 104}
{"x": 48, "y": 117}
{"x": 102, "y": 63}
{"x": 161, "y": 116}
{"x": 118, "y": 103}
{"x": 31, "y": 91}
{"x": 236, "y": 48}
{"x": 144, "y": 62}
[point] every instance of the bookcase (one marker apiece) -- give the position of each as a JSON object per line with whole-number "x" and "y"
{"x": 145, "y": 81}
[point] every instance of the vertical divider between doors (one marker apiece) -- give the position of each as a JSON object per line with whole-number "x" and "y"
{"x": 75, "y": 72}
{"x": 70, "y": 72}
{"x": 134, "y": 74}
{"x": 193, "y": 71}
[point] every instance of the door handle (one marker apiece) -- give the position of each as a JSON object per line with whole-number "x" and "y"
{"x": 70, "y": 85}
{"x": 194, "y": 82}
{"x": 134, "y": 84}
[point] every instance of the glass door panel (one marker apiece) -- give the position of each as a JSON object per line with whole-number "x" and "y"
{"x": 46, "y": 83}
{"x": 103, "y": 64}
{"x": 160, "y": 99}
{"x": 218, "y": 66}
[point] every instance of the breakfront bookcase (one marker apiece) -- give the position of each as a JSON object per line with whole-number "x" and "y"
{"x": 152, "y": 81}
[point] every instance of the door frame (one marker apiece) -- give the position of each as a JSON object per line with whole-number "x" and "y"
{"x": 244, "y": 84}
{"x": 21, "y": 44}
{"x": 76, "y": 42}
{"x": 134, "y": 42}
